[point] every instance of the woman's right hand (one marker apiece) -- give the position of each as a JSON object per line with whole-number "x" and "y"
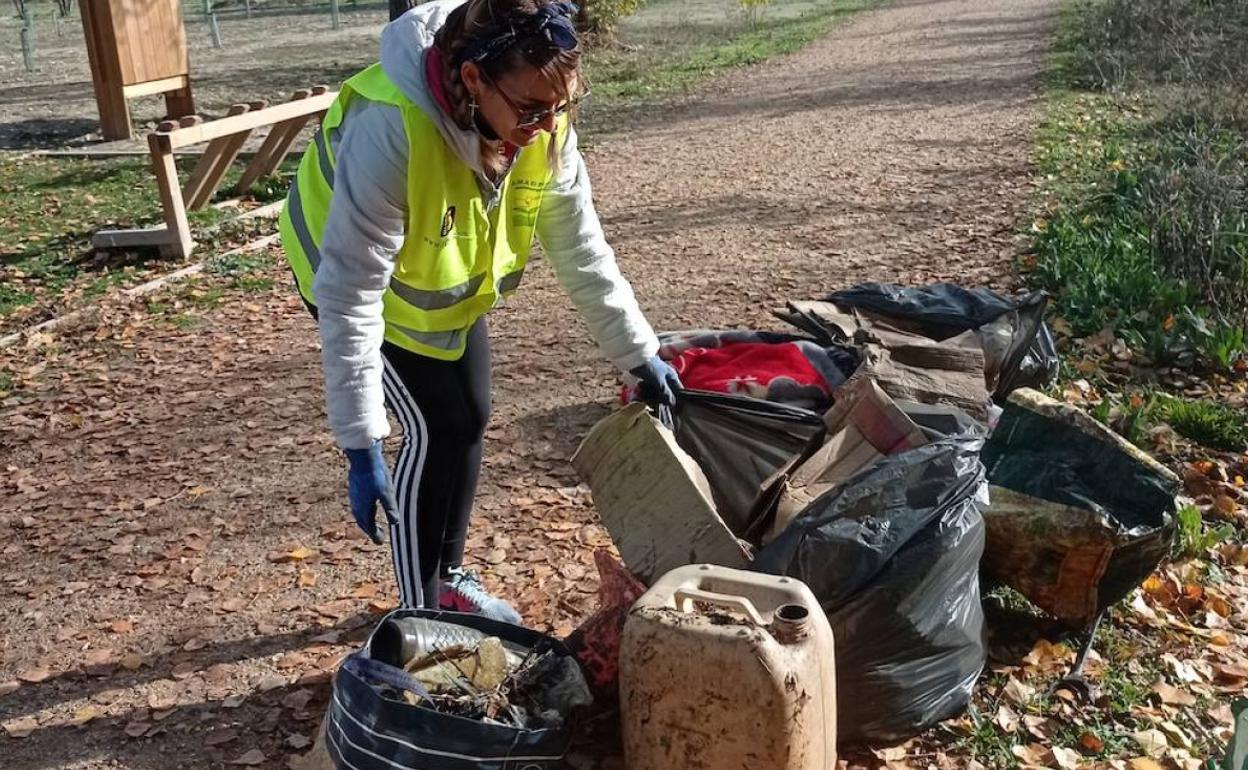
{"x": 368, "y": 482}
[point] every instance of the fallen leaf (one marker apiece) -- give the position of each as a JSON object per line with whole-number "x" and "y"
{"x": 1173, "y": 696}
{"x": 297, "y": 700}
{"x": 253, "y": 757}
{"x": 84, "y": 715}
{"x": 1067, "y": 759}
{"x": 1018, "y": 692}
{"x": 1031, "y": 754}
{"x": 1175, "y": 734}
{"x": 100, "y": 657}
{"x": 8, "y": 687}
{"x": 121, "y": 626}
{"x": 1089, "y": 742}
{"x": 1036, "y": 726}
{"x": 137, "y": 729}
{"x": 892, "y": 753}
{"x": 1154, "y": 742}
{"x": 1045, "y": 652}
{"x": 132, "y": 661}
{"x": 298, "y": 553}
{"x": 366, "y": 591}
{"x": 1184, "y": 671}
{"x": 1225, "y": 505}
{"x": 306, "y": 579}
{"x": 1006, "y": 718}
{"x": 380, "y": 606}
{"x": 1144, "y": 763}
{"x": 184, "y": 670}
{"x": 297, "y": 741}
{"x": 35, "y": 675}
{"x": 220, "y": 737}
{"x": 20, "y": 728}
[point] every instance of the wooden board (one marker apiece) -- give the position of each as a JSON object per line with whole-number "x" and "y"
{"x": 136, "y": 47}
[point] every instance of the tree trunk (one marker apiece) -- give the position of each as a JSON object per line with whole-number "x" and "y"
{"x": 400, "y": 7}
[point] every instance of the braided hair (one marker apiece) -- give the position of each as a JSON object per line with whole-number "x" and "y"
{"x": 469, "y": 28}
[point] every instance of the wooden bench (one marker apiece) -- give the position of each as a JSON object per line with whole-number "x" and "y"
{"x": 225, "y": 138}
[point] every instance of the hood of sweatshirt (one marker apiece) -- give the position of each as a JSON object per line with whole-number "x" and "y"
{"x": 404, "y": 44}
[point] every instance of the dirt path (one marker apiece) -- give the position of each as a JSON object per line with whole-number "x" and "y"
{"x": 158, "y": 478}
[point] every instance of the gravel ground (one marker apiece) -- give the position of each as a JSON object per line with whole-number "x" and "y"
{"x": 156, "y": 610}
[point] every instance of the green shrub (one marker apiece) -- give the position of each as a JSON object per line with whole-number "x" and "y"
{"x": 1206, "y": 422}
{"x": 1148, "y": 231}
{"x": 1192, "y": 538}
{"x": 601, "y": 17}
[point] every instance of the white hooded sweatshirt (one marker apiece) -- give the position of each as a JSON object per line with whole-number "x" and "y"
{"x": 367, "y": 219}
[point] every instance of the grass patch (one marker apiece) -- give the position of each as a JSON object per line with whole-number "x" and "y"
{"x": 55, "y": 205}
{"x": 183, "y": 321}
{"x": 1206, "y": 422}
{"x": 672, "y": 45}
{"x": 1193, "y": 538}
{"x": 1145, "y": 153}
{"x": 1131, "y": 667}
{"x": 989, "y": 745}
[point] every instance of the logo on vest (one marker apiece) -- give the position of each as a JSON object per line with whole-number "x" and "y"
{"x": 448, "y": 221}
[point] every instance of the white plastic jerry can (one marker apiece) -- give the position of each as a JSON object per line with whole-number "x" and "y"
{"x": 723, "y": 669}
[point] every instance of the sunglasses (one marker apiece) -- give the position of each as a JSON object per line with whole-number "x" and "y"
{"x": 528, "y": 118}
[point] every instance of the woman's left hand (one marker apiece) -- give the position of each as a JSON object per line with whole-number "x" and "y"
{"x": 659, "y": 382}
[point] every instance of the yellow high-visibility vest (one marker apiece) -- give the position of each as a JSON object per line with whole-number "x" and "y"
{"x": 457, "y": 260}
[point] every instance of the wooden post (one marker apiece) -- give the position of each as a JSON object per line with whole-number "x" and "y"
{"x": 216, "y": 31}
{"x": 277, "y": 144}
{"x": 28, "y": 39}
{"x": 135, "y": 48}
{"x": 178, "y": 226}
{"x": 213, "y": 165}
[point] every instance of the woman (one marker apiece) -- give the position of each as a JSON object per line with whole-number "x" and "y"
{"x": 412, "y": 215}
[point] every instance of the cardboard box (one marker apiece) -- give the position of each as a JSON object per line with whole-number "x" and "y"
{"x": 653, "y": 498}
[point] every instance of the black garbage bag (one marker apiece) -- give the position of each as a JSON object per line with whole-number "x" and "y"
{"x": 1079, "y": 516}
{"x": 739, "y": 442}
{"x": 1017, "y": 344}
{"x": 365, "y": 729}
{"x": 893, "y": 555}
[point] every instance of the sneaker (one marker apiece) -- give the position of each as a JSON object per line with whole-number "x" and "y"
{"x": 462, "y": 591}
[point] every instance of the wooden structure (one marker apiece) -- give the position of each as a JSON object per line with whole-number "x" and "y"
{"x": 225, "y": 138}
{"x": 136, "y": 48}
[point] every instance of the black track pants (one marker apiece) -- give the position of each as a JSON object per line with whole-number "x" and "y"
{"x": 443, "y": 407}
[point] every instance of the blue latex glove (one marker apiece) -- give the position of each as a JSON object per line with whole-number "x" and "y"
{"x": 659, "y": 382}
{"x": 368, "y": 481}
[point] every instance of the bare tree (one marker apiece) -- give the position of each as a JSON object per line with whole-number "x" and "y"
{"x": 397, "y": 7}
{"x": 20, "y": 5}
{"x": 65, "y": 6}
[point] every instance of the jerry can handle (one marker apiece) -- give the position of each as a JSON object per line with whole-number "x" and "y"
{"x": 685, "y": 597}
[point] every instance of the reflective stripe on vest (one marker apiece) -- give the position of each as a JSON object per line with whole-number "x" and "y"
{"x": 457, "y": 259}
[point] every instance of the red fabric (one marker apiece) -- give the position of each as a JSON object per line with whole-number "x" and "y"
{"x": 746, "y": 368}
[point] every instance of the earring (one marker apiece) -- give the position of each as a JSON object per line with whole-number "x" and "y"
{"x": 472, "y": 108}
